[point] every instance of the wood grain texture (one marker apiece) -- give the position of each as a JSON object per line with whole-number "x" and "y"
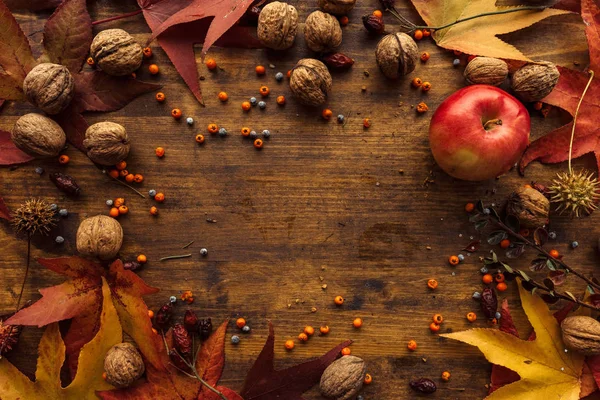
{"x": 321, "y": 203}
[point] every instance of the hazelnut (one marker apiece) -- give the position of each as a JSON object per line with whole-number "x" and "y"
{"x": 337, "y": 7}
{"x": 106, "y": 143}
{"x": 100, "y": 236}
{"x": 533, "y": 82}
{"x": 123, "y": 365}
{"x": 486, "y": 70}
{"x": 310, "y": 82}
{"x": 116, "y": 52}
{"x": 322, "y": 32}
{"x": 529, "y": 206}
{"x": 397, "y": 55}
{"x": 344, "y": 378}
{"x": 38, "y": 135}
{"x": 277, "y": 25}
{"x": 50, "y": 87}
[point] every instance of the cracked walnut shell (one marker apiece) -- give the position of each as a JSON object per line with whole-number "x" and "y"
{"x": 344, "y": 378}
{"x": 116, "y": 52}
{"x": 322, "y": 32}
{"x": 533, "y": 82}
{"x": 486, "y": 70}
{"x": 337, "y": 7}
{"x": 100, "y": 236}
{"x": 38, "y": 135}
{"x": 106, "y": 143}
{"x": 310, "y": 82}
{"x": 123, "y": 365}
{"x": 50, "y": 87}
{"x": 397, "y": 55}
{"x": 277, "y": 25}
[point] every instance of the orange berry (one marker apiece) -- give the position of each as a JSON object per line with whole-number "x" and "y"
{"x": 104, "y": 375}
{"x": 258, "y": 144}
{"x": 422, "y": 108}
{"x": 123, "y": 210}
{"x": 327, "y": 114}
{"x": 114, "y": 212}
{"x": 527, "y": 186}
{"x": 211, "y": 64}
{"x": 240, "y": 323}
{"x": 153, "y": 68}
{"x": 426, "y": 86}
{"x": 160, "y": 152}
{"x": 150, "y": 314}
{"x": 471, "y": 317}
{"x": 212, "y": 128}
{"x": 142, "y": 259}
{"x": 499, "y": 277}
{"x": 538, "y": 105}
{"x": 123, "y": 173}
{"x": 281, "y": 100}
{"x": 425, "y": 56}
{"x": 554, "y": 253}
{"x": 153, "y": 210}
{"x": 505, "y": 243}
{"x": 446, "y": 376}
{"x": 223, "y": 96}
{"x": 357, "y": 323}
{"x": 438, "y": 319}
{"x": 199, "y": 139}
{"x": 63, "y": 159}
{"x": 119, "y": 201}
{"x": 418, "y": 34}
{"x": 453, "y": 260}
{"x": 160, "y": 97}
{"x": 260, "y": 70}
{"x": 324, "y": 330}
{"x": 176, "y": 113}
{"x": 138, "y": 178}
{"x": 121, "y": 165}
{"x": 303, "y": 337}
{"x": 338, "y": 300}
{"x": 432, "y": 284}
{"x": 245, "y": 132}
{"x": 129, "y": 178}
{"x": 469, "y": 207}
{"x": 378, "y": 13}
{"x": 147, "y": 52}
{"x": 289, "y": 344}
{"x": 264, "y": 91}
{"x": 246, "y": 106}
{"x": 368, "y": 379}
{"x": 113, "y": 173}
{"x": 426, "y": 33}
{"x": 289, "y": 73}
{"x": 344, "y": 20}
{"x": 367, "y": 123}
{"x": 433, "y": 327}
{"x": 346, "y": 351}
{"x": 412, "y": 345}
{"x": 501, "y": 287}
{"x": 309, "y": 330}
{"x": 159, "y": 197}
{"x": 487, "y": 279}
{"x": 416, "y": 82}
{"x": 90, "y": 61}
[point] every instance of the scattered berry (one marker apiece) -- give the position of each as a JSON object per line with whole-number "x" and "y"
{"x": 438, "y": 319}
{"x": 289, "y": 344}
{"x": 212, "y": 128}
{"x": 190, "y": 121}
{"x": 456, "y": 62}
{"x": 433, "y": 327}
{"x": 338, "y": 300}
{"x": 574, "y": 244}
{"x": 253, "y": 135}
{"x": 153, "y": 210}
{"x": 340, "y": 119}
{"x": 240, "y": 323}
{"x": 53, "y": 207}
{"x": 142, "y": 259}
{"x": 147, "y": 52}
{"x": 211, "y": 64}
{"x": 266, "y": 133}
{"x": 501, "y": 287}
{"x": 114, "y": 212}
{"x": 425, "y": 56}
{"x": 176, "y": 113}
{"x": 281, "y": 100}
{"x": 173, "y": 299}
{"x": 426, "y": 86}
{"x": 199, "y": 139}
{"x": 505, "y": 243}
{"x": 222, "y": 132}
{"x": 453, "y": 260}
{"x": 327, "y": 114}
{"x": 309, "y": 330}
{"x": 499, "y": 277}
{"x": 498, "y": 315}
{"x": 258, "y": 144}
{"x": 153, "y": 68}
{"x": 39, "y": 170}
{"x": 264, "y": 91}
{"x": 151, "y": 192}
{"x": 246, "y": 106}
{"x": 469, "y": 207}
{"x": 303, "y": 337}
{"x": 367, "y": 123}
{"x": 416, "y": 82}
{"x": 223, "y": 96}
{"x": 324, "y": 330}
{"x": 59, "y": 239}
{"x": 554, "y": 253}
{"x": 357, "y": 323}
{"x": 446, "y": 376}
{"x": 159, "y": 197}
{"x": 63, "y": 212}
{"x": 203, "y": 252}
{"x": 487, "y": 279}
{"x": 418, "y": 34}
{"x": 346, "y": 351}
{"x": 235, "y": 339}
{"x": 476, "y": 295}
{"x": 368, "y": 379}
{"x": 461, "y": 258}
{"x": 344, "y": 21}
{"x": 412, "y": 345}
{"x": 109, "y": 203}
{"x": 63, "y": 159}
{"x": 279, "y": 76}
{"x": 432, "y": 284}
{"x": 422, "y": 107}
{"x": 260, "y": 70}
{"x": 552, "y": 235}
{"x": 246, "y": 329}
{"x": 90, "y": 61}
{"x": 160, "y": 152}
{"x": 253, "y": 101}
{"x": 262, "y": 105}
{"x": 471, "y": 317}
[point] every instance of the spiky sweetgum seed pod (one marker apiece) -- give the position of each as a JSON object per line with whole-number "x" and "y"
{"x": 9, "y": 335}
{"x": 33, "y": 216}
{"x": 575, "y": 193}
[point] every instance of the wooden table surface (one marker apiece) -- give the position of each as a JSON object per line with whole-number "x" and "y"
{"x": 322, "y": 203}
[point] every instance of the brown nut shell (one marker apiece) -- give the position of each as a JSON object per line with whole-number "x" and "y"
{"x": 310, "y": 82}
{"x": 123, "y": 365}
{"x": 116, "y": 52}
{"x": 38, "y": 135}
{"x": 337, "y": 7}
{"x": 486, "y": 70}
{"x": 277, "y": 25}
{"x": 533, "y": 82}
{"x": 50, "y": 87}
{"x": 106, "y": 143}
{"x": 322, "y": 32}
{"x": 100, "y": 236}
{"x": 344, "y": 378}
{"x": 581, "y": 334}
{"x": 397, "y": 55}
{"x": 529, "y": 206}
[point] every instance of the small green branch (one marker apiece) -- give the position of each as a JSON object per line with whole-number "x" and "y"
{"x": 175, "y": 257}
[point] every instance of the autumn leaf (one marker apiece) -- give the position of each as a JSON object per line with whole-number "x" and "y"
{"x": 51, "y": 351}
{"x": 9, "y": 153}
{"x": 31, "y": 5}
{"x": 554, "y": 146}
{"x": 542, "y": 364}
{"x": 4, "y": 211}
{"x": 263, "y": 382}
{"x": 16, "y": 58}
{"x": 477, "y": 36}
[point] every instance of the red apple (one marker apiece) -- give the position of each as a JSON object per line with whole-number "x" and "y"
{"x": 479, "y": 133}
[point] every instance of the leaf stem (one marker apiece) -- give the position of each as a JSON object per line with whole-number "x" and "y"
{"x": 575, "y": 119}
{"x": 117, "y": 17}
{"x": 124, "y": 184}
{"x": 175, "y": 257}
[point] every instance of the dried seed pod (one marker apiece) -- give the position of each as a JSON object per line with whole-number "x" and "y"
{"x": 131, "y": 265}
{"x": 338, "y": 61}
{"x": 9, "y": 334}
{"x": 182, "y": 340}
{"x": 337, "y": 7}
{"x": 310, "y": 82}
{"x": 190, "y": 320}
{"x": 163, "y": 316}
{"x": 397, "y": 54}
{"x": 489, "y": 303}
{"x": 38, "y": 135}
{"x": 423, "y": 385}
{"x": 486, "y": 70}
{"x": 581, "y": 334}
{"x": 205, "y": 328}
{"x": 530, "y": 206}
{"x": 322, "y": 32}
{"x": 533, "y": 82}
{"x": 277, "y": 25}
{"x": 106, "y": 143}
{"x": 123, "y": 365}
{"x": 50, "y": 87}
{"x": 116, "y": 52}
{"x": 100, "y": 236}
{"x": 65, "y": 183}
{"x": 373, "y": 24}
{"x": 343, "y": 378}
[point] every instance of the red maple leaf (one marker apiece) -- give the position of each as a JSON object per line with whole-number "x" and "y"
{"x": 4, "y": 211}
{"x": 554, "y": 147}
{"x": 31, "y": 5}
{"x": 183, "y": 23}
{"x": 9, "y": 153}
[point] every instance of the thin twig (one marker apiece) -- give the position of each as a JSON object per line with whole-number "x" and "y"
{"x": 175, "y": 257}
{"x": 124, "y": 184}
{"x": 117, "y": 17}
{"x": 575, "y": 118}
{"x": 187, "y": 245}
{"x": 561, "y": 295}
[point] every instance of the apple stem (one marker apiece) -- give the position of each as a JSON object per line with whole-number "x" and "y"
{"x": 575, "y": 118}
{"x": 490, "y": 124}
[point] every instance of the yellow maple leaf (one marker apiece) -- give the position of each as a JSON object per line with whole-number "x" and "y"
{"x": 14, "y": 385}
{"x": 546, "y": 370}
{"x": 478, "y": 36}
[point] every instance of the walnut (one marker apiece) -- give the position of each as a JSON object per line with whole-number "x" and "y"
{"x": 533, "y": 82}
{"x": 581, "y": 334}
{"x": 344, "y": 378}
{"x": 397, "y": 55}
{"x": 38, "y": 135}
{"x": 310, "y": 82}
{"x": 322, "y": 32}
{"x": 277, "y": 25}
{"x": 529, "y": 206}
{"x": 106, "y": 143}
{"x": 486, "y": 70}
{"x": 50, "y": 87}
{"x": 100, "y": 236}
{"x": 337, "y": 7}
{"x": 116, "y": 52}
{"x": 123, "y": 365}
